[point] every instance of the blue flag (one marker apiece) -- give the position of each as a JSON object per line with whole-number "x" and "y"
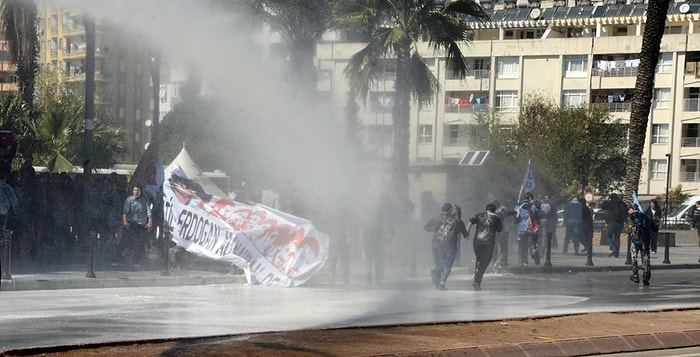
{"x": 635, "y": 200}
{"x": 528, "y": 181}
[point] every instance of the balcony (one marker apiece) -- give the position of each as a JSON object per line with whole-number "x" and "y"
{"x": 617, "y": 72}
{"x": 689, "y": 176}
{"x": 467, "y": 109}
{"x": 471, "y": 73}
{"x": 7, "y": 67}
{"x": 691, "y": 104}
{"x": 690, "y": 142}
{"x": 9, "y": 87}
{"x": 616, "y": 107}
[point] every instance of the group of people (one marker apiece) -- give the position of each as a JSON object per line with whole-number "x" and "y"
{"x": 535, "y": 219}
{"x": 448, "y": 226}
{"x": 49, "y": 227}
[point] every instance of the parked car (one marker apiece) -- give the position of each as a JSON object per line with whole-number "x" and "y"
{"x": 679, "y": 216}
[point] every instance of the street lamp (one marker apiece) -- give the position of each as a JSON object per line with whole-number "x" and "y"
{"x": 668, "y": 184}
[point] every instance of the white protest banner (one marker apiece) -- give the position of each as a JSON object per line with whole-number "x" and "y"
{"x": 272, "y": 247}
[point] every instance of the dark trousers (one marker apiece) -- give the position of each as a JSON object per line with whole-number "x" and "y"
{"x": 528, "y": 242}
{"x": 135, "y": 239}
{"x": 573, "y": 235}
{"x": 640, "y": 250}
{"x": 613, "y": 236}
{"x": 483, "y": 253}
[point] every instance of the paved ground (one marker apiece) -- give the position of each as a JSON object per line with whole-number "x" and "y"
{"x": 682, "y": 257}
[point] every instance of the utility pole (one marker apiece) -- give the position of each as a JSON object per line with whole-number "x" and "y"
{"x": 89, "y": 234}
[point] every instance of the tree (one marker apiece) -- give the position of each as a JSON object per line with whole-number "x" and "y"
{"x": 58, "y": 127}
{"x": 195, "y": 123}
{"x": 644, "y": 90}
{"x": 300, "y": 23}
{"x": 19, "y": 26}
{"x": 570, "y": 148}
{"x": 394, "y": 27}
{"x": 568, "y": 145}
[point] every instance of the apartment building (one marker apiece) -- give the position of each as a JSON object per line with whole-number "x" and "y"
{"x": 575, "y": 53}
{"x": 122, "y": 71}
{"x": 8, "y": 76}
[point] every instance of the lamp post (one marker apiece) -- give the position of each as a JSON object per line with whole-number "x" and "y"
{"x": 88, "y": 232}
{"x": 668, "y": 234}
{"x": 668, "y": 184}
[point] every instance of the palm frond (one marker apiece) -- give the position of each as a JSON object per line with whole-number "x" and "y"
{"x": 424, "y": 83}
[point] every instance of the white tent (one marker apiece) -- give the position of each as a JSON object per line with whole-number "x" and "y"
{"x": 194, "y": 173}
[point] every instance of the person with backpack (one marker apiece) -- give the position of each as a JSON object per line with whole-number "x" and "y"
{"x": 445, "y": 227}
{"x": 488, "y": 223}
{"x": 616, "y": 216}
{"x": 640, "y": 243}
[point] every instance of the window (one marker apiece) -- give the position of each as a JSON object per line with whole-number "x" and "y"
{"x": 381, "y": 102}
{"x": 425, "y": 135}
{"x": 659, "y": 133}
{"x": 507, "y": 101}
{"x": 575, "y": 32}
{"x": 576, "y": 66}
{"x": 507, "y": 67}
{"x": 665, "y": 63}
{"x": 431, "y": 63}
{"x": 673, "y": 30}
{"x": 658, "y": 169}
{"x": 574, "y": 98}
{"x": 453, "y": 132}
{"x": 662, "y": 98}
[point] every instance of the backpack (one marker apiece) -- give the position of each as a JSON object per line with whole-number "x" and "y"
{"x": 447, "y": 229}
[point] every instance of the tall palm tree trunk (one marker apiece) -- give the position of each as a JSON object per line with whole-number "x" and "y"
{"x": 401, "y": 115}
{"x": 19, "y": 25}
{"x": 644, "y": 90}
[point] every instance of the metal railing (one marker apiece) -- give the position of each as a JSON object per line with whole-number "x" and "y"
{"x": 690, "y": 142}
{"x": 689, "y": 176}
{"x": 471, "y": 73}
{"x": 467, "y": 109}
{"x": 615, "y": 72}
{"x": 691, "y": 104}
{"x": 616, "y": 107}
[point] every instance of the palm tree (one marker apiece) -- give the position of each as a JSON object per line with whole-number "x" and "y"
{"x": 644, "y": 89}
{"x": 19, "y": 25}
{"x": 300, "y": 23}
{"x": 394, "y": 28}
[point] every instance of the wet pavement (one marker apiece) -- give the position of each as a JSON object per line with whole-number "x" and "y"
{"x": 63, "y": 307}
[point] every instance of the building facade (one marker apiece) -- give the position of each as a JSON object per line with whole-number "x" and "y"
{"x": 577, "y": 54}
{"x": 122, "y": 71}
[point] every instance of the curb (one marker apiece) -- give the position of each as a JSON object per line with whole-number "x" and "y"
{"x": 576, "y": 347}
{"x": 155, "y": 280}
{"x": 582, "y": 269}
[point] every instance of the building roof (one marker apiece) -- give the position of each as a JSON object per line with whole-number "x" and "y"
{"x": 562, "y": 15}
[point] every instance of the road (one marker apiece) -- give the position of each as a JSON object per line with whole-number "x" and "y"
{"x": 84, "y": 316}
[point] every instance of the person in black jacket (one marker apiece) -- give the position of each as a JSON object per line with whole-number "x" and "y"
{"x": 487, "y": 223}
{"x": 654, "y": 212}
{"x": 587, "y": 225}
{"x": 640, "y": 239}
{"x": 615, "y": 218}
